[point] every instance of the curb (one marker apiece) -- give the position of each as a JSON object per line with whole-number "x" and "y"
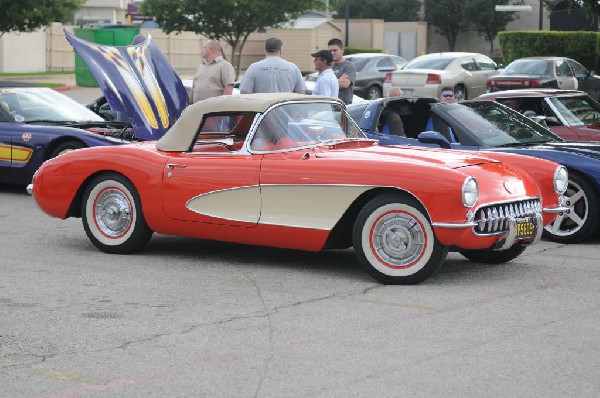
{"x": 62, "y": 88}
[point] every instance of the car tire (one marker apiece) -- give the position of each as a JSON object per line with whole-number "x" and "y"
{"x": 489, "y": 256}
{"x": 460, "y": 92}
{"x": 580, "y": 222}
{"x": 112, "y": 215}
{"x": 65, "y": 147}
{"x": 394, "y": 240}
{"x": 374, "y": 92}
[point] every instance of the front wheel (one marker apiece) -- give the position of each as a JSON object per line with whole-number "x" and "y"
{"x": 580, "y": 222}
{"x": 489, "y": 256}
{"x": 112, "y": 215}
{"x": 394, "y": 241}
{"x": 65, "y": 147}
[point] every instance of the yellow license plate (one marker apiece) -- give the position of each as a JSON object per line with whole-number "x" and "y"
{"x": 525, "y": 228}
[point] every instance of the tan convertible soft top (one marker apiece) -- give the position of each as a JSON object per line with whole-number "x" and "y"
{"x": 179, "y": 137}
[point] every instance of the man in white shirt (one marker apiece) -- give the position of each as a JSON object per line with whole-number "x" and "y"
{"x": 327, "y": 82}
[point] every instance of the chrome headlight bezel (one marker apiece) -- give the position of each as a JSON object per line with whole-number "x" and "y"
{"x": 470, "y": 192}
{"x": 561, "y": 180}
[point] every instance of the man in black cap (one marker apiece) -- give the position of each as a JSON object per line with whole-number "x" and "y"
{"x": 273, "y": 74}
{"x": 327, "y": 82}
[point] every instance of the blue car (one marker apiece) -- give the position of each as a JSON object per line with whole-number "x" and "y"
{"x": 38, "y": 123}
{"x": 489, "y": 126}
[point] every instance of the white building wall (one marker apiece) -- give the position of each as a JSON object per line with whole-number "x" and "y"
{"x": 23, "y": 52}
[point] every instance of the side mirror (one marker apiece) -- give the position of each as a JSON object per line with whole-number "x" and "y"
{"x": 433, "y": 137}
{"x": 499, "y": 66}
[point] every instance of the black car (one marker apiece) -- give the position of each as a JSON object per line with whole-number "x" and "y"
{"x": 546, "y": 72}
{"x": 371, "y": 69}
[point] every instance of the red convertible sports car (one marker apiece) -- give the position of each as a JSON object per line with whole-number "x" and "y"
{"x": 572, "y": 115}
{"x": 294, "y": 171}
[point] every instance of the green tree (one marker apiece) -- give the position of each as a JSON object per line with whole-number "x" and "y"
{"x": 29, "y": 15}
{"x": 486, "y": 20}
{"x": 229, "y": 20}
{"x": 388, "y": 10}
{"x": 447, "y": 17}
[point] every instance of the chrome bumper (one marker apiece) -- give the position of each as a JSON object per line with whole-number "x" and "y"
{"x": 508, "y": 240}
{"x": 30, "y": 189}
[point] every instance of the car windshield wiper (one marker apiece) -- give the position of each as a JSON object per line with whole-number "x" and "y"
{"x": 510, "y": 144}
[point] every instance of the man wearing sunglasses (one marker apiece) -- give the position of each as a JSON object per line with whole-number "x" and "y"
{"x": 447, "y": 95}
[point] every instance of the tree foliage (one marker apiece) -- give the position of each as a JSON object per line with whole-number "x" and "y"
{"x": 482, "y": 15}
{"x": 29, "y": 15}
{"x": 447, "y": 17}
{"x": 229, "y": 20}
{"x": 388, "y": 10}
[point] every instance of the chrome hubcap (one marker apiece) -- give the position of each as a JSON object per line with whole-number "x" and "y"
{"x": 398, "y": 239}
{"x": 572, "y": 220}
{"x": 113, "y": 212}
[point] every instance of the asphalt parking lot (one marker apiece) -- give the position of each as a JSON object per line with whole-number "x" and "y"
{"x": 189, "y": 317}
{"x": 193, "y": 318}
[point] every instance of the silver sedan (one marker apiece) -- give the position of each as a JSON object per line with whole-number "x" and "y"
{"x": 465, "y": 73}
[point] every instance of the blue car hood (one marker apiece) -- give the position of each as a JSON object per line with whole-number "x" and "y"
{"x": 587, "y": 149}
{"x": 137, "y": 80}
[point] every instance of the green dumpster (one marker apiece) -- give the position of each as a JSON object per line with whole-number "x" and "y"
{"x": 114, "y": 35}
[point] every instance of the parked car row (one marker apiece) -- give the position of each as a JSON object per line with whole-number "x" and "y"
{"x": 268, "y": 153}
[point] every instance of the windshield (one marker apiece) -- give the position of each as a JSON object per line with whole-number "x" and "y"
{"x": 578, "y": 110}
{"x": 527, "y": 67}
{"x": 295, "y": 125}
{"x": 429, "y": 63}
{"x": 497, "y": 125}
{"x": 30, "y": 104}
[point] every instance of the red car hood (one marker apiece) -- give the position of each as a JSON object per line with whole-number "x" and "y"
{"x": 412, "y": 155}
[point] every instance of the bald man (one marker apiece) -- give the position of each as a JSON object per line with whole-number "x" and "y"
{"x": 215, "y": 76}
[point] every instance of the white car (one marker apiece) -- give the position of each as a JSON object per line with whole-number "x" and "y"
{"x": 465, "y": 73}
{"x": 311, "y": 79}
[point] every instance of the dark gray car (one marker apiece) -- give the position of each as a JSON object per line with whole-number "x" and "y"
{"x": 371, "y": 69}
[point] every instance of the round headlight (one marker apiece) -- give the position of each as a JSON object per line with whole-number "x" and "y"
{"x": 561, "y": 179}
{"x": 470, "y": 192}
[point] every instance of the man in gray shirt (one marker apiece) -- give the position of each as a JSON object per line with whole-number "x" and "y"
{"x": 344, "y": 70}
{"x": 273, "y": 74}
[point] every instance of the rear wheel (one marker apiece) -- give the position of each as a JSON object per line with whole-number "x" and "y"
{"x": 394, "y": 241}
{"x": 489, "y": 256}
{"x": 580, "y": 222}
{"x": 373, "y": 92}
{"x": 460, "y": 92}
{"x": 112, "y": 215}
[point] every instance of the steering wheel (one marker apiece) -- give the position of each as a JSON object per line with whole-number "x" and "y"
{"x": 591, "y": 115}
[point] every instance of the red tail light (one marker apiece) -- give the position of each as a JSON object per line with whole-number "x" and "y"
{"x": 536, "y": 83}
{"x": 388, "y": 78}
{"x": 433, "y": 78}
{"x": 490, "y": 83}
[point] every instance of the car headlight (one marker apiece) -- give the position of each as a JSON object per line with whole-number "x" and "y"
{"x": 470, "y": 192}
{"x": 561, "y": 179}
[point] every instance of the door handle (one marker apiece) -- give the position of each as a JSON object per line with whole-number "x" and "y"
{"x": 175, "y": 165}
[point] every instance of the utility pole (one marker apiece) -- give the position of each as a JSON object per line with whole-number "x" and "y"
{"x": 347, "y": 21}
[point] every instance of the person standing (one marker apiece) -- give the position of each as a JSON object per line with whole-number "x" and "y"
{"x": 215, "y": 76}
{"x": 327, "y": 82}
{"x": 272, "y": 74}
{"x": 344, "y": 70}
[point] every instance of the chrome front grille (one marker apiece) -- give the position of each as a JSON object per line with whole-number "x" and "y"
{"x": 493, "y": 219}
